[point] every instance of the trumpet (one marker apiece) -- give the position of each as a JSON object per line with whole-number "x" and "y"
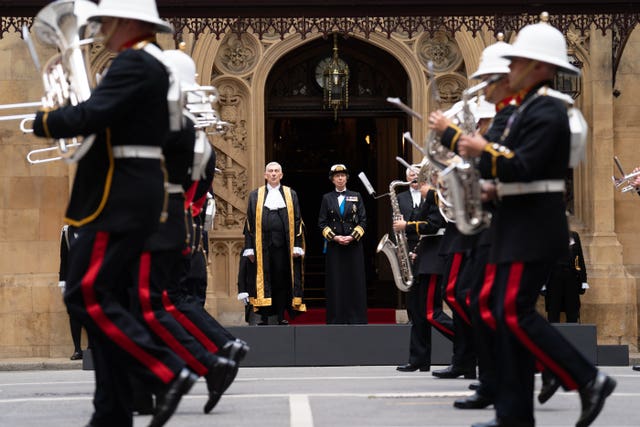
{"x": 623, "y": 183}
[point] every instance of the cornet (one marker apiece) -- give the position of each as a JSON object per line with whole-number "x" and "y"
{"x": 623, "y": 183}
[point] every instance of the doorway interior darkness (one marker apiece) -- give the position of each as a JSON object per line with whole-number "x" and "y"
{"x": 306, "y": 140}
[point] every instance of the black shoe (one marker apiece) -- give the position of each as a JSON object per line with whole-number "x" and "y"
{"x": 77, "y": 355}
{"x": 410, "y": 367}
{"x": 636, "y": 367}
{"x": 166, "y": 405}
{"x": 592, "y": 397}
{"x": 475, "y": 401}
{"x": 455, "y": 372}
{"x": 549, "y": 386}
{"x": 474, "y": 386}
{"x": 283, "y": 322}
{"x": 217, "y": 377}
{"x": 236, "y": 351}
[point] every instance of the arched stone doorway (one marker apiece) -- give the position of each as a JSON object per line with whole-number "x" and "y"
{"x": 307, "y": 140}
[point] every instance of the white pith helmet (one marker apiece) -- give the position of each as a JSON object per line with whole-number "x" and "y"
{"x": 544, "y": 43}
{"x": 492, "y": 60}
{"x": 140, "y": 10}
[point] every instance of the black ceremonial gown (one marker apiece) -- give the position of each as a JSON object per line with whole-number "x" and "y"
{"x": 257, "y": 237}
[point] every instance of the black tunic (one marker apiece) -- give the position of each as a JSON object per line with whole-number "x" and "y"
{"x": 345, "y": 281}
{"x": 125, "y": 193}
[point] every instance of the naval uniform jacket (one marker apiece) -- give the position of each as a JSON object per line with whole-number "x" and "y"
{"x": 409, "y": 213}
{"x": 178, "y": 153}
{"x": 128, "y": 107}
{"x": 429, "y": 222}
{"x": 530, "y": 227}
{"x": 345, "y": 281}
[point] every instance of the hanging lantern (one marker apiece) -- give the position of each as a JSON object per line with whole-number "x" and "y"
{"x": 336, "y": 82}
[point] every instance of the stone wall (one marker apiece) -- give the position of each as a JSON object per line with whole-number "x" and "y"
{"x": 32, "y": 201}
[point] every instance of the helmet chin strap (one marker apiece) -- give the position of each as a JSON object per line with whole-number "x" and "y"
{"x": 107, "y": 37}
{"x": 524, "y": 73}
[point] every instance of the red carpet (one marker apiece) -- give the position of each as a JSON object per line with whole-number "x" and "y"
{"x": 317, "y": 316}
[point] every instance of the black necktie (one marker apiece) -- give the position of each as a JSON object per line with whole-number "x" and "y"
{"x": 340, "y": 193}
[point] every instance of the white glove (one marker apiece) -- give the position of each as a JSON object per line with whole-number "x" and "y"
{"x": 585, "y": 285}
{"x": 62, "y": 285}
{"x": 244, "y": 297}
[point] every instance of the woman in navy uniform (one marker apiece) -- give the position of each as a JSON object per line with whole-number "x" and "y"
{"x": 530, "y": 232}
{"x": 343, "y": 221}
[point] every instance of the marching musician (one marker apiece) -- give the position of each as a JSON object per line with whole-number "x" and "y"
{"x": 166, "y": 256}
{"x": 530, "y": 160}
{"x": 116, "y": 203}
{"x": 425, "y": 225}
{"x": 504, "y": 102}
{"x": 343, "y": 221}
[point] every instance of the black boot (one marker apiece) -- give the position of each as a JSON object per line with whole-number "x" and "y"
{"x": 455, "y": 372}
{"x": 549, "y": 386}
{"x": 592, "y": 397}
{"x": 475, "y": 401}
{"x": 236, "y": 351}
{"x": 166, "y": 404}
{"x": 217, "y": 377}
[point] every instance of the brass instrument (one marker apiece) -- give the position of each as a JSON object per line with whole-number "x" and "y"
{"x": 398, "y": 253}
{"x": 64, "y": 76}
{"x": 623, "y": 183}
{"x": 462, "y": 179}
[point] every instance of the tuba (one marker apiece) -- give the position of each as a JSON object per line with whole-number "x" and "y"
{"x": 65, "y": 78}
{"x": 397, "y": 254}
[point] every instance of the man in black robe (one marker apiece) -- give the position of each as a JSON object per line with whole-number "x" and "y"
{"x": 274, "y": 242}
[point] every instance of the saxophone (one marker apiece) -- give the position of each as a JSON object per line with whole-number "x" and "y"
{"x": 463, "y": 179}
{"x": 398, "y": 254}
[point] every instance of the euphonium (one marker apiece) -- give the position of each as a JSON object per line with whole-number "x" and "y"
{"x": 398, "y": 253}
{"x": 65, "y": 77}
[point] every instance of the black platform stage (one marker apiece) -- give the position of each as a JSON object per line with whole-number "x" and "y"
{"x": 352, "y": 345}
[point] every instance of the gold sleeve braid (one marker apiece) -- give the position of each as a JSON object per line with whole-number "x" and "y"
{"x": 357, "y": 232}
{"x": 456, "y": 137}
{"x": 496, "y": 150}
{"x": 328, "y": 233}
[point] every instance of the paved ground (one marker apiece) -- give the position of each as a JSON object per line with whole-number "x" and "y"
{"x": 301, "y": 397}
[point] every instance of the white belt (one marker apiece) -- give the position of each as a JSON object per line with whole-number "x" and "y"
{"x": 137, "y": 151}
{"x": 173, "y": 188}
{"x": 542, "y": 186}
{"x": 440, "y": 232}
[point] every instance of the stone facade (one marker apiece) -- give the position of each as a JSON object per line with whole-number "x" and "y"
{"x": 238, "y": 64}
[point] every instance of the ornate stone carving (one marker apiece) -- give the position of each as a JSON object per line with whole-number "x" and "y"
{"x": 238, "y": 54}
{"x": 231, "y": 156}
{"x": 441, "y": 50}
{"x": 450, "y": 88}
